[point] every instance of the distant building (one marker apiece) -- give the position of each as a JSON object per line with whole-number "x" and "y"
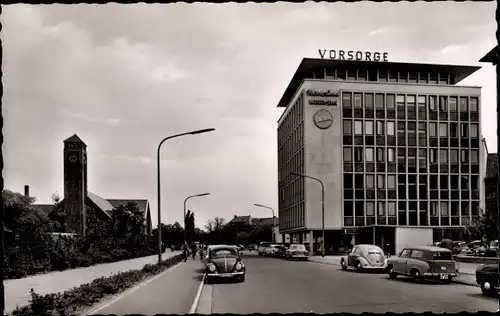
{"x": 77, "y": 197}
{"x": 250, "y": 221}
{"x": 491, "y": 178}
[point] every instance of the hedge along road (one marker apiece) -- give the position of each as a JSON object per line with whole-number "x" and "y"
{"x": 17, "y": 291}
{"x": 171, "y": 292}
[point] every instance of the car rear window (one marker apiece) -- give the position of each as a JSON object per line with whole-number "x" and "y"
{"x": 374, "y": 251}
{"x": 441, "y": 255}
{"x": 298, "y": 247}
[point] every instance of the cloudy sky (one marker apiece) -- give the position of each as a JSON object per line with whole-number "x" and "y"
{"x": 124, "y": 76}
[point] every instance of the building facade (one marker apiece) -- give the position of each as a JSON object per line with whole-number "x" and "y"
{"x": 396, "y": 145}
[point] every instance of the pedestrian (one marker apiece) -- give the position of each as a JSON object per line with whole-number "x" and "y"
{"x": 185, "y": 251}
{"x": 447, "y": 243}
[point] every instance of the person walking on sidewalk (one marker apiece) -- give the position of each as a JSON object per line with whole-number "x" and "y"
{"x": 185, "y": 253}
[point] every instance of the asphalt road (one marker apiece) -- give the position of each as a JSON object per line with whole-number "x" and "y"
{"x": 279, "y": 286}
{"x": 173, "y": 292}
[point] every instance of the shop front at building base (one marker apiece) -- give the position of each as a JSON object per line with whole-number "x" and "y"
{"x": 390, "y": 238}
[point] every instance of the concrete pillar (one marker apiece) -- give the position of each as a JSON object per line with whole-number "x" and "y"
{"x": 353, "y": 240}
{"x": 311, "y": 242}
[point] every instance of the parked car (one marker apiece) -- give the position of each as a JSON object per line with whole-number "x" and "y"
{"x": 240, "y": 247}
{"x": 460, "y": 248}
{"x": 477, "y": 247}
{"x": 487, "y": 278}
{"x": 423, "y": 263}
{"x": 280, "y": 252}
{"x": 252, "y": 247}
{"x": 262, "y": 248}
{"x": 365, "y": 257}
{"x": 272, "y": 250}
{"x": 224, "y": 262}
{"x": 297, "y": 252}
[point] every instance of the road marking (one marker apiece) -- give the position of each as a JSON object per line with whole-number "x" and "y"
{"x": 197, "y": 298}
{"x": 129, "y": 291}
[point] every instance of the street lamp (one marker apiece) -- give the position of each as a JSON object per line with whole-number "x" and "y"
{"x": 201, "y": 131}
{"x": 272, "y": 225}
{"x": 189, "y": 197}
{"x": 322, "y": 208}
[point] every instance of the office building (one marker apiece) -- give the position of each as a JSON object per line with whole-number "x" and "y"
{"x": 397, "y": 146}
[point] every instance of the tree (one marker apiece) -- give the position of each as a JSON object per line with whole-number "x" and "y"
{"x": 189, "y": 226}
{"x": 128, "y": 226}
{"x": 484, "y": 225}
{"x": 27, "y": 247}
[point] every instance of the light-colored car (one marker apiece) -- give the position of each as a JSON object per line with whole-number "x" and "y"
{"x": 297, "y": 252}
{"x": 271, "y": 250}
{"x": 423, "y": 263}
{"x": 262, "y": 248}
{"x": 365, "y": 257}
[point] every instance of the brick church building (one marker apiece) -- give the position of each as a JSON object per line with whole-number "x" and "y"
{"x": 77, "y": 197}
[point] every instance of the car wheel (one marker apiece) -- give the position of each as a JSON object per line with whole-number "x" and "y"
{"x": 359, "y": 267}
{"x": 448, "y": 281}
{"x": 417, "y": 276}
{"x": 487, "y": 288}
{"x": 343, "y": 265}
{"x": 392, "y": 274}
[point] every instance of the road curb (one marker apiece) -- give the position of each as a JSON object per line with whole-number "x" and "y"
{"x": 453, "y": 281}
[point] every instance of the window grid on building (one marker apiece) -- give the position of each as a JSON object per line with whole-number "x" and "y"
{"x": 291, "y": 156}
{"x": 410, "y": 160}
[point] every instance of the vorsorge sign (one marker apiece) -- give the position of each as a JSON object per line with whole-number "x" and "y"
{"x": 352, "y": 55}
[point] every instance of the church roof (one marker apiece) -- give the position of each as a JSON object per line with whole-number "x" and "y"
{"x": 105, "y": 205}
{"x": 74, "y": 139}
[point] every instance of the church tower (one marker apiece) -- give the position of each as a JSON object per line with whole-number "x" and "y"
{"x": 75, "y": 184}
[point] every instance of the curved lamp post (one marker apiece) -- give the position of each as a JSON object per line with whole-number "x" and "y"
{"x": 322, "y": 208}
{"x": 189, "y": 197}
{"x": 201, "y": 131}
{"x": 272, "y": 225}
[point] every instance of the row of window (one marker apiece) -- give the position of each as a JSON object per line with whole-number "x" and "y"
{"x": 375, "y": 154}
{"x": 391, "y": 76}
{"x": 381, "y": 128}
{"x": 390, "y": 208}
{"x": 358, "y": 100}
{"x": 292, "y": 119}
{"x": 294, "y": 164}
{"x": 390, "y": 181}
{"x": 291, "y": 145}
{"x": 410, "y": 219}
{"x": 292, "y": 217}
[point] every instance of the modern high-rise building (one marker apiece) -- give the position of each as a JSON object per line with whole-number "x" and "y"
{"x": 397, "y": 146}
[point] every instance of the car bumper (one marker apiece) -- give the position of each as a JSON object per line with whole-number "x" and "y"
{"x": 225, "y": 275}
{"x": 299, "y": 256}
{"x": 372, "y": 268}
{"x": 438, "y": 276}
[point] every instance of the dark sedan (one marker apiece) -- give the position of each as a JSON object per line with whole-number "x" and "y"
{"x": 487, "y": 278}
{"x": 224, "y": 262}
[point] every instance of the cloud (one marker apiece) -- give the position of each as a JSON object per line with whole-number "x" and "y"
{"x": 380, "y": 31}
{"x": 91, "y": 119}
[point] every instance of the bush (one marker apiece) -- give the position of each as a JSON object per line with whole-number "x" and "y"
{"x": 87, "y": 295}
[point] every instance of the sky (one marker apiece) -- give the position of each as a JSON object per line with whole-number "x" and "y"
{"x": 123, "y": 77}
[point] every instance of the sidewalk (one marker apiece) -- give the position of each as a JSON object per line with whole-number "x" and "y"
{"x": 17, "y": 291}
{"x": 466, "y": 270}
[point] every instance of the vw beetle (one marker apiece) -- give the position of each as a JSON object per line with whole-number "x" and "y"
{"x": 224, "y": 262}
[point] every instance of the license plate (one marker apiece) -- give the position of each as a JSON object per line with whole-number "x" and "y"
{"x": 225, "y": 275}
{"x": 443, "y": 276}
